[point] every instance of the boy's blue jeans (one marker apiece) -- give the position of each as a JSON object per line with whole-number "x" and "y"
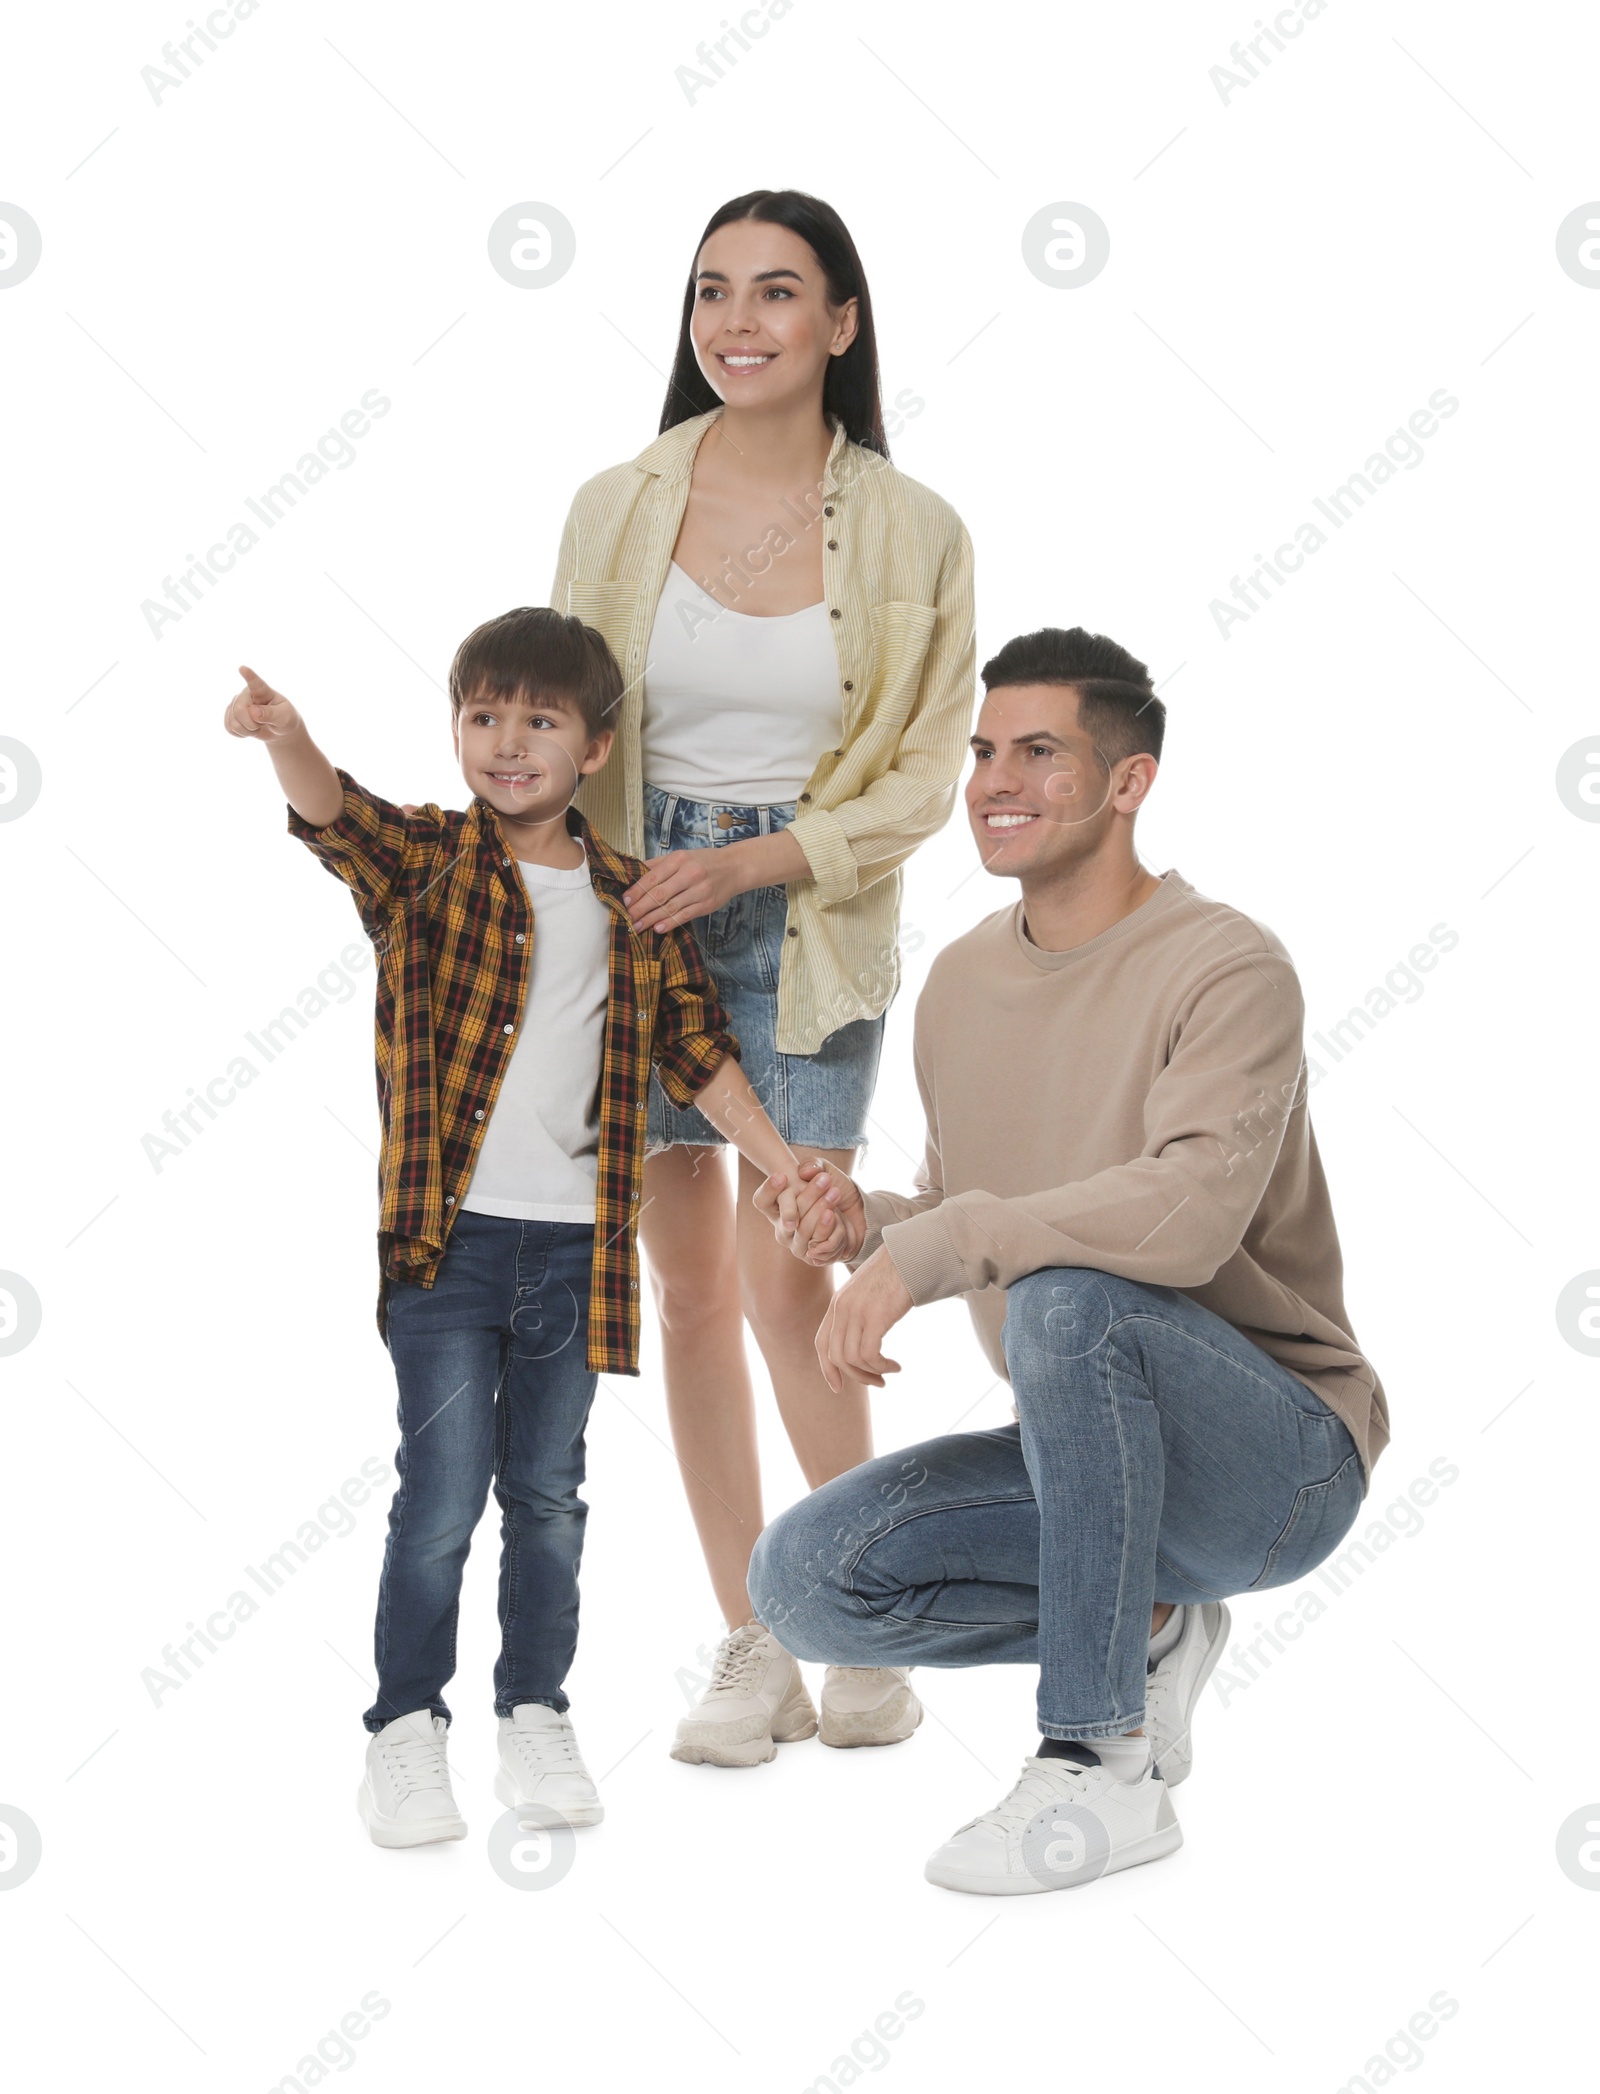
{"x": 1158, "y": 1455}
{"x": 493, "y": 1387}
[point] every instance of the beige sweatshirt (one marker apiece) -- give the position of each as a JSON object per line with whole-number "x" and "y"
{"x": 1136, "y": 1105}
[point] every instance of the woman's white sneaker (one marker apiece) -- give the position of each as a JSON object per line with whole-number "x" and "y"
{"x": 756, "y": 1702}
{"x": 868, "y": 1705}
{"x": 1173, "y": 1688}
{"x": 1066, "y": 1823}
{"x": 406, "y": 1799}
{"x": 542, "y": 1770}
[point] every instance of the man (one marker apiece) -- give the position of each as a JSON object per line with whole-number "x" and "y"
{"x": 1122, "y": 1180}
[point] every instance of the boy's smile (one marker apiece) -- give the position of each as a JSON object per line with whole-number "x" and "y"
{"x": 525, "y": 755}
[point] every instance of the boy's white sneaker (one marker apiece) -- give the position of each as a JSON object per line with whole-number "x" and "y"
{"x": 756, "y": 1702}
{"x": 1066, "y": 1823}
{"x": 406, "y": 1799}
{"x": 541, "y": 1768}
{"x": 1173, "y": 1687}
{"x": 868, "y": 1705}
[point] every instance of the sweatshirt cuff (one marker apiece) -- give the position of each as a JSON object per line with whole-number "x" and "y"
{"x": 923, "y": 1255}
{"x": 827, "y": 848}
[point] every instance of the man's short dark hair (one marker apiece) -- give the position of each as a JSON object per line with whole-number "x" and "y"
{"x": 539, "y": 654}
{"x": 1117, "y": 702}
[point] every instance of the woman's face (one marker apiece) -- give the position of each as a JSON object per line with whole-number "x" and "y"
{"x": 763, "y": 330}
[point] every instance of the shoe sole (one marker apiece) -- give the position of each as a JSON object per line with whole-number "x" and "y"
{"x": 386, "y": 1832}
{"x": 1178, "y": 1761}
{"x": 891, "y": 1724}
{"x": 1153, "y": 1847}
{"x": 713, "y": 1745}
{"x": 545, "y": 1813}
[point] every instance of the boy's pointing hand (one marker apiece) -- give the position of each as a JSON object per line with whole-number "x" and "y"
{"x": 260, "y": 711}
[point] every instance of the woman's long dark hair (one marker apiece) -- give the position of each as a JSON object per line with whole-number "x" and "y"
{"x": 850, "y": 389}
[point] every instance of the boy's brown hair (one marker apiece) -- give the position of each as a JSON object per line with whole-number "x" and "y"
{"x": 537, "y": 653}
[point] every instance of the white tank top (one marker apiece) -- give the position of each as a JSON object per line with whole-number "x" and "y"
{"x": 736, "y": 708}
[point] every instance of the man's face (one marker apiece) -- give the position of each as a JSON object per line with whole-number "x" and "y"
{"x": 1039, "y": 797}
{"x": 525, "y": 757}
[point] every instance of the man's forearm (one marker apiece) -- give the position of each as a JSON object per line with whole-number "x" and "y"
{"x": 309, "y": 781}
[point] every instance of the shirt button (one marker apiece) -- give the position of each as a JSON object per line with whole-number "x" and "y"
{"x": 508, "y": 1028}
{"x": 793, "y": 933}
{"x": 640, "y": 1106}
{"x": 849, "y": 686}
{"x": 805, "y": 796}
{"x": 836, "y": 614}
{"x": 478, "y": 1115}
{"x": 449, "y": 1199}
{"x": 833, "y": 545}
{"x": 827, "y": 511}
{"x": 505, "y": 861}
{"x": 521, "y": 937}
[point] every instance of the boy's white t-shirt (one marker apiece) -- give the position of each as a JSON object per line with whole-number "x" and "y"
{"x": 539, "y": 1157}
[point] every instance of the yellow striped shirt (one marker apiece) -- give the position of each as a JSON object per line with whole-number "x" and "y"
{"x": 897, "y": 578}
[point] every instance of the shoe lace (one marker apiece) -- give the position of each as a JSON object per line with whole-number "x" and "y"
{"x": 546, "y": 1751}
{"x": 416, "y": 1763}
{"x": 738, "y": 1659}
{"x": 1032, "y": 1793}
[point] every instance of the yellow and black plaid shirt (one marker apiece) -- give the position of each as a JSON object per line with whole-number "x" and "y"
{"x": 450, "y": 919}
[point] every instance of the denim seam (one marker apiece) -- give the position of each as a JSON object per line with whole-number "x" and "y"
{"x": 1122, "y": 1560}
{"x": 848, "y": 1565}
{"x": 1300, "y": 1498}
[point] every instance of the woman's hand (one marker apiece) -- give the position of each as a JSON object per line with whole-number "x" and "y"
{"x": 681, "y": 886}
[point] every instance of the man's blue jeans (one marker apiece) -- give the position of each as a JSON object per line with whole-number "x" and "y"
{"x": 1158, "y": 1455}
{"x": 493, "y": 1386}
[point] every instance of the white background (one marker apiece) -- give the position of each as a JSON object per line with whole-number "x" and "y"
{"x": 1374, "y": 1816}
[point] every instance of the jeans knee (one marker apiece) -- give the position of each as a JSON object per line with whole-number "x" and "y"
{"x": 791, "y": 1589}
{"x": 1062, "y": 1314}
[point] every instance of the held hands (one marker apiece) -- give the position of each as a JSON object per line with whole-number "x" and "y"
{"x": 261, "y": 712}
{"x": 829, "y": 1219}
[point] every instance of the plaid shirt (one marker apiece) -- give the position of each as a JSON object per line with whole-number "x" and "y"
{"x": 450, "y": 919}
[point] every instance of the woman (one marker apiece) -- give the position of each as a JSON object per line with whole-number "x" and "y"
{"x": 793, "y": 618}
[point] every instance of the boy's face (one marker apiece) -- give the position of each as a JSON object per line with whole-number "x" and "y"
{"x": 525, "y": 756}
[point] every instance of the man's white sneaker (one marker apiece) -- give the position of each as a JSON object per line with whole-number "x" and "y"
{"x": 756, "y": 1702}
{"x": 1173, "y": 1688}
{"x": 868, "y": 1705}
{"x": 542, "y": 1770}
{"x": 406, "y": 1799}
{"x": 1065, "y": 1823}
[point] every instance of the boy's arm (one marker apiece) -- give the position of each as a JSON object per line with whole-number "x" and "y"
{"x": 363, "y": 840}
{"x": 729, "y": 1102}
{"x": 697, "y": 1058}
{"x": 310, "y": 783}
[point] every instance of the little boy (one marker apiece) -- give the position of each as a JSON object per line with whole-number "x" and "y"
{"x": 518, "y": 1017}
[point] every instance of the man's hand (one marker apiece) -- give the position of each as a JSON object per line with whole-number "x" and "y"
{"x": 681, "y": 886}
{"x": 261, "y": 712}
{"x": 850, "y": 1337}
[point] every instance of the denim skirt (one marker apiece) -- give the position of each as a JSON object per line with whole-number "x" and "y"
{"x": 816, "y": 1101}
